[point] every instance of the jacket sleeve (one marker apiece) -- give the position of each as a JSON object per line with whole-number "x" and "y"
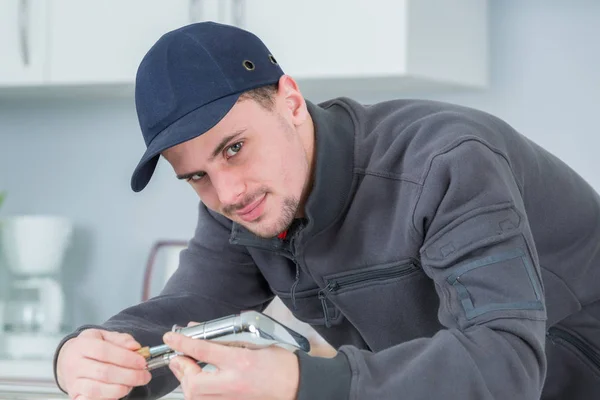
{"x": 214, "y": 279}
{"x": 478, "y": 249}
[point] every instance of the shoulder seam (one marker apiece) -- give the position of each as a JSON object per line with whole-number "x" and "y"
{"x": 452, "y": 146}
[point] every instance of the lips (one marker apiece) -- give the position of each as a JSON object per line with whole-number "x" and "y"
{"x": 253, "y": 210}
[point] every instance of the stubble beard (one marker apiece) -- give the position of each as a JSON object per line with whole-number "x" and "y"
{"x": 283, "y": 222}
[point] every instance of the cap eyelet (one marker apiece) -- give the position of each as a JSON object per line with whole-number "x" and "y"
{"x": 249, "y": 65}
{"x": 273, "y": 60}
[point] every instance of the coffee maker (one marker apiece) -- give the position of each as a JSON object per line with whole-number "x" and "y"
{"x": 33, "y": 248}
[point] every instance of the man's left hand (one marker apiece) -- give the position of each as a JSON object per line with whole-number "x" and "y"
{"x": 266, "y": 374}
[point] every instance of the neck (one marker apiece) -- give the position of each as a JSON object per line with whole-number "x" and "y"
{"x": 307, "y": 136}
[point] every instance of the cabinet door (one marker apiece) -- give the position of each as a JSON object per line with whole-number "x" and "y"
{"x": 23, "y": 26}
{"x": 332, "y": 38}
{"x": 103, "y": 42}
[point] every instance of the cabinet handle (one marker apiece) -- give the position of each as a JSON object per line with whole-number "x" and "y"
{"x": 239, "y": 13}
{"x": 24, "y": 30}
{"x": 193, "y": 7}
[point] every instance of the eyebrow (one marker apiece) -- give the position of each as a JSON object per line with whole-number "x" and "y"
{"x": 218, "y": 149}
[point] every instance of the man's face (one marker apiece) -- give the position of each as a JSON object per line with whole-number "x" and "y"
{"x": 253, "y": 166}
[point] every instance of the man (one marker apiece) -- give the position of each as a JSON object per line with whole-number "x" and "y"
{"x": 442, "y": 253}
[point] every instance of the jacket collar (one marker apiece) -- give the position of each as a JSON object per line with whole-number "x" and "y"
{"x": 333, "y": 173}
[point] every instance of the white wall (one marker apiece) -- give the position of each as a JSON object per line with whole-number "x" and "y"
{"x": 75, "y": 157}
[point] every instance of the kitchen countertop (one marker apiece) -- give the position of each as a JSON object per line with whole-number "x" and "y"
{"x": 34, "y": 379}
{"x": 25, "y": 389}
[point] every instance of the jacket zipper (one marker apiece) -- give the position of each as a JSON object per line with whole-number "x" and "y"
{"x": 583, "y": 347}
{"x": 290, "y": 253}
{"x": 295, "y": 284}
{"x": 294, "y": 254}
{"x": 335, "y": 284}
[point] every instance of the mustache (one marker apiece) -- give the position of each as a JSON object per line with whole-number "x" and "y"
{"x": 247, "y": 199}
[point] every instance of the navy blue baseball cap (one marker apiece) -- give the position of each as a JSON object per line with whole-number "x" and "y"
{"x": 189, "y": 80}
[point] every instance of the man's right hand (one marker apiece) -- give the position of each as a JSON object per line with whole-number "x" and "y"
{"x": 100, "y": 364}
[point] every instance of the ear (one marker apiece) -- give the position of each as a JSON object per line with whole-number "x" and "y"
{"x": 292, "y": 100}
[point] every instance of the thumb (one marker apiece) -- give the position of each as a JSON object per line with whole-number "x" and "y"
{"x": 192, "y": 323}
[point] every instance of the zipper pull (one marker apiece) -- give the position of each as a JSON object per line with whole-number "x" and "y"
{"x": 294, "y": 285}
{"x": 331, "y": 286}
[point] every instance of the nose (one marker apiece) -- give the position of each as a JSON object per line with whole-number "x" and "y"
{"x": 229, "y": 186}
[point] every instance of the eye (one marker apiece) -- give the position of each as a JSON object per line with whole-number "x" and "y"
{"x": 233, "y": 149}
{"x": 196, "y": 177}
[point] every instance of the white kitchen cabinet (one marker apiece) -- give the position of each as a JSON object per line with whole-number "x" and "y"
{"x": 341, "y": 47}
{"x": 103, "y": 42}
{"x": 23, "y": 49}
{"x": 332, "y": 48}
{"x": 82, "y": 43}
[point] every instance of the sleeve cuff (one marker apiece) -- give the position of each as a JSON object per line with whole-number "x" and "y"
{"x": 324, "y": 378}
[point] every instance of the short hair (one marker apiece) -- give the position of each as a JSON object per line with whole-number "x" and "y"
{"x": 263, "y": 95}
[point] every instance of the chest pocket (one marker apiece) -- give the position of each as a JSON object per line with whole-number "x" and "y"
{"x": 307, "y": 307}
{"x": 388, "y": 303}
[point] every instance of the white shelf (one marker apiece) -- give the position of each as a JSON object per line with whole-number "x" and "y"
{"x": 39, "y": 370}
{"x": 23, "y": 390}
{"x": 28, "y": 379}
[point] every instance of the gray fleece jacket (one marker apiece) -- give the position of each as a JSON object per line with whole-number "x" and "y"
{"x": 444, "y": 254}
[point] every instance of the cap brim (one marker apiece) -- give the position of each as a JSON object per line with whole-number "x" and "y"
{"x": 185, "y": 128}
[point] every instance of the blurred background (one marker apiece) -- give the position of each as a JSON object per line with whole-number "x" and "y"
{"x": 76, "y": 242}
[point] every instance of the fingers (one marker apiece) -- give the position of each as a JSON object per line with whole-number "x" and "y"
{"x": 90, "y": 389}
{"x": 184, "y": 366}
{"x": 109, "y": 373}
{"x": 192, "y": 323}
{"x": 101, "y": 365}
{"x": 121, "y": 339}
{"x": 196, "y": 382}
{"x": 108, "y": 352}
{"x": 200, "y": 350}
